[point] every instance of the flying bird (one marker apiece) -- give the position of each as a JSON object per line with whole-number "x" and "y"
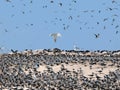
{"x": 117, "y": 26}
{"x": 97, "y": 22}
{"x": 2, "y": 49}
{"x": 6, "y": 30}
{"x": 8, "y": 1}
{"x": 51, "y": 1}
{"x": 97, "y": 35}
{"x": 116, "y": 32}
{"x": 105, "y": 19}
{"x": 55, "y": 36}
{"x": 70, "y": 17}
{"x": 14, "y": 51}
{"x": 60, "y": 4}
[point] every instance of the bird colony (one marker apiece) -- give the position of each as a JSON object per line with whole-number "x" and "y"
{"x": 56, "y": 69}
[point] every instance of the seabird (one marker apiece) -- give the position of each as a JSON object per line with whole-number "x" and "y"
{"x": 8, "y": 0}
{"x": 76, "y": 48}
{"x": 3, "y": 49}
{"x": 97, "y": 35}
{"x": 14, "y": 51}
{"x": 116, "y": 32}
{"x": 60, "y": 4}
{"x": 55, "y": 36}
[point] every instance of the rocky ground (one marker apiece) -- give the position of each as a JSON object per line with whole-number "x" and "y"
{"x": 60, "y": 70}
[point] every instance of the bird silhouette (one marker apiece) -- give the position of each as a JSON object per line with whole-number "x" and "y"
{"x": 6, "y": 30}
{"x": 60, "y": 4}
{"x": 14, "y": 51}
{"x": 97, "y": 35}
{"x": 8, "y": 1}
{"x": 51, "y": 1}
{"x": 116, "y": 32}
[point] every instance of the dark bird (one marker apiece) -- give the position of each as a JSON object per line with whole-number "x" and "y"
{"x": 45, "y": 6}
{"x": 116, "y": 32}
{"x": 51, "y": 1}
{"x": 113, "y": 20}
{"x": 115, "y": 15}
{"x": 80, "y": 28}
{"x": 105, "y": 19}
{"x": 113, "y": 1}
{"x": 91, "y": 75}
{"x": 104, "y": 27}
{"x": 16, "y": 27}
{"x": 74, "y": 1}
{"x": 31, "y": 24}
{"x": 92, "y": 10}
{"x": 60, "y": 4}
{"x": 117, "y": 26}
{"x": 23, "y": 12}
{"x": 100, "y": 71}
{"x": 98, "y": 77}
{"x": 97, "y": 35}
{"x": 70, "y": 17}
{"x": 14, "y": 51}
{"x": 66, "y": 27}
{"x": 97, "y": 22}
{"x": 85, "y": 11}
{"x": 8, "y": 0}
{"x": 6, "y": 30}
{"x": 99, "y": 11}
{"x": 110, "y": 9}
{"x": 31, "y": 1}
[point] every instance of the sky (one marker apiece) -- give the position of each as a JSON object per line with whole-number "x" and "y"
{"x": 88, "y": 24}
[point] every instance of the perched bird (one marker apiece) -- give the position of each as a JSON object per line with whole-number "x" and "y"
{"x": 76, "y": 48}
{"x": 55, "y": 36}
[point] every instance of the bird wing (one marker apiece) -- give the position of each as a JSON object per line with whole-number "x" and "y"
{"x": 51, "y": 34}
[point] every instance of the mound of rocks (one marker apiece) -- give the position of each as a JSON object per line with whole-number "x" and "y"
{"x": 60, "y": 70}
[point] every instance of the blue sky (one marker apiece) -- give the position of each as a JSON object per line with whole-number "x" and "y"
{"x": 26, "y": 24}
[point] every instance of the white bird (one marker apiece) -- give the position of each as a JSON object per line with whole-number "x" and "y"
{"x": 76, "y": 48}
{"x": 55, "y": 36}
{"x": 4, "y": 49}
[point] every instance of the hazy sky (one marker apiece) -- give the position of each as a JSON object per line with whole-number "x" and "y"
{"x": 26, "y": 24}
